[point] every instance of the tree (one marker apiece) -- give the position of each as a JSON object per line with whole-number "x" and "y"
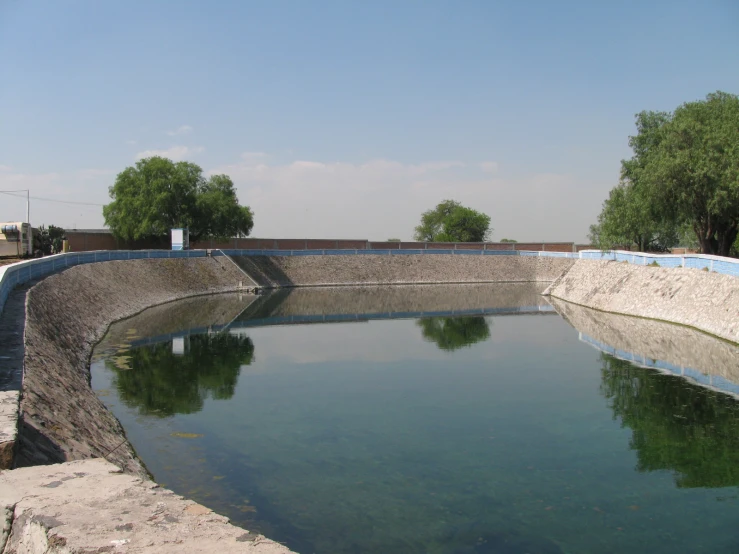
{"x": 48, "y": 240}
{"x": 157, "y": 195}
{"x": 508, "y": 240}
{"x": 630, "y": 215}
{"x": 695, "y": 170}
{"x": 393, "y": 240}
{"x": 628, "y": 219}
{"x": 452, "y": 222}
{"x": 684, "y": 172}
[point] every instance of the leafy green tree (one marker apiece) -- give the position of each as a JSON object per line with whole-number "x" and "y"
{"x": 684, "y": 172}
{"x": 676, "y": 425}
{"x": 449, "y": 221}
{"x": 158, "y": 382}
{"x": 508, "y": 240}
{"x": 628, "y": 219}
{"x": 48, "y": 240}
{"x": 393, "y": 240}
{"x": 157, "y": 195}
{"x": 630, "y": 215}
{"x": 695, "y": 170}
{"x": 453, "y": 333}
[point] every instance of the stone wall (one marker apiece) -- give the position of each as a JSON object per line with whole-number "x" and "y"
{"x": 271, "y": 271}
{"x": 66, "y": 314}
{"x": 700, "y": 299}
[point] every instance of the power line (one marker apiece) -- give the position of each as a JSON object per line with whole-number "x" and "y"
{"x": 52, "y": 200}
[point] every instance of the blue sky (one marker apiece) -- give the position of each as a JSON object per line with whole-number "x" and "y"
{"x": 348, "y": 119}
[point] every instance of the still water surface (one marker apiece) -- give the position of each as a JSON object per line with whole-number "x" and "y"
{"x": 471, "y": 434}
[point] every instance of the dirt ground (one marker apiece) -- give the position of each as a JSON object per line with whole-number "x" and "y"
{"x": 6, "y": 261}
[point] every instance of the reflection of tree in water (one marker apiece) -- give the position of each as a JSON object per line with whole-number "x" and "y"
{"x": 162, "y": 383}
{"x": 676, "y": 425}
{"x": 452, "y": 333}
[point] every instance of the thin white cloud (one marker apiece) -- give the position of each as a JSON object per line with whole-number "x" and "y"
{"x": 385, "y": 198}
{"x": 175, "y": 153}
{"x": 94, "y": 173}
{"x": 181, "y": 130}
{"x": 251, "y": 156}
{"x": 5, "y": 167}
{"x": 489, "y": 167}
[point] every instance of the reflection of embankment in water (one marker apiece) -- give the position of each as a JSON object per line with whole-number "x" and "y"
{"x": 676, "y": 349}
{"x": 174, "y": 319}
{"x": 317, "y": 305}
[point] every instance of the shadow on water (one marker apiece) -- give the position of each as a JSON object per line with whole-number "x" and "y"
{"x": 157, "y": 380}
{"x": 453, "y": 333}
{"x": 676, "y": 425}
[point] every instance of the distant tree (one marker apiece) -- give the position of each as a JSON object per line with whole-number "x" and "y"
{"x": 453, "y": 333}
{"x": 157, "y": 195}
{"x": 48, "y": 240}
{"x": 508, "y": 240}
{"x": 393, "y": 240}
{"x": 449, "y": 221}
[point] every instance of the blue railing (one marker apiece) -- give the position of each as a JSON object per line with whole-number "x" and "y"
{"x": 727, "y": 266}
{"x": 22, "y": 272}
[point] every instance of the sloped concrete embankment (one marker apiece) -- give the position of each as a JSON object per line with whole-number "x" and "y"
{"x": 699, "y": 299}
{"x": 66, "y": 314}
{"x": 370, "y": 269}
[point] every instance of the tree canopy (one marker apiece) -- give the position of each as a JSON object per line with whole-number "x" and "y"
{"x": 449, "y": 221}
{"x": 48, "y": 240}
{"x": 684, "y": 174}
{"x": 158, "y": 194}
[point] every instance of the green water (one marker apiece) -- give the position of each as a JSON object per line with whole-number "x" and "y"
{"x": 499, "y": 434}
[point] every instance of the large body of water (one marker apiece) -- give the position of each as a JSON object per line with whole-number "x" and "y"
{"x": 481, "y": 430}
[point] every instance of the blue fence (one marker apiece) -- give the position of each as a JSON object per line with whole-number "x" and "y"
{"x": 727, "y": 266}
{"x": 22, "y": 272}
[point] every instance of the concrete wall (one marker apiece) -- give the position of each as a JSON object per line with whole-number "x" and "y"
{"x": 280, "y": 271}
{"x": 66, "y": 314}
{"x": 701, "y": 299}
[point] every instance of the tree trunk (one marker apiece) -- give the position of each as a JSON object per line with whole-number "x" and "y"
{"x": 726, "y": 238}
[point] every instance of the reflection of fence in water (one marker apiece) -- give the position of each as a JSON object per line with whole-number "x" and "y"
{"x": 714, "y": 382}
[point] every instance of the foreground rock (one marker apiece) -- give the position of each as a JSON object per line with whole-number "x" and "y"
{"x": 8, "y": 427}
{"x": 91, "y": 506}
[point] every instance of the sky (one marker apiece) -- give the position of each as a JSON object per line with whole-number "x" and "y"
{"x": 348, "y": 119}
